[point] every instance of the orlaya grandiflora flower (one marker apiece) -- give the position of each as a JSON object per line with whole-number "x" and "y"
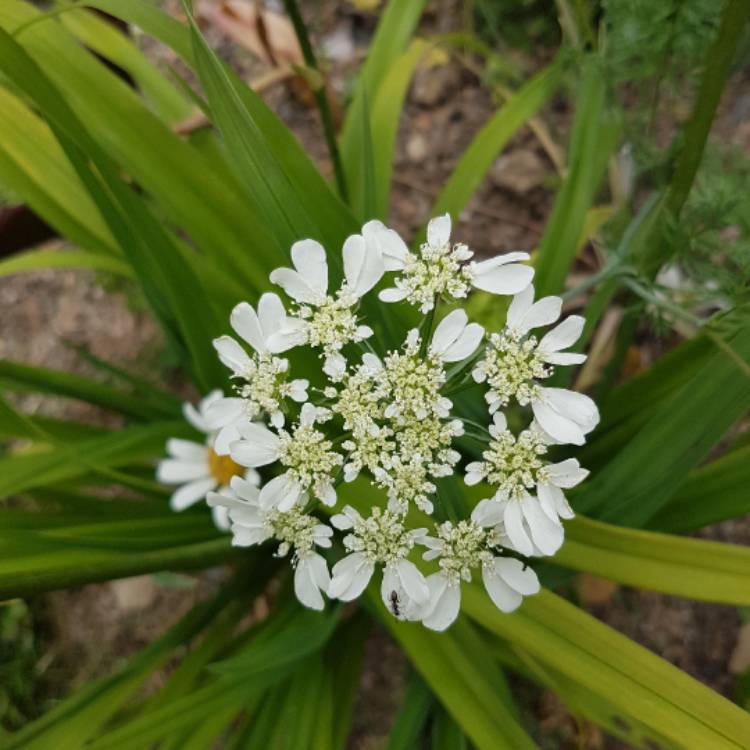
{"x": 270, "y": 331}
{"x": 305, "y": 454}
{"x": 330, "y": 320}
{"x": 528, "y": 490}
{"x": 379, "y": 539}
{"x": 514, "y": 361}
{"x": 441, "y": 269}
{"x": 197, "y": 467}
{"x": 389, "y": 414}
{"x": 253, "y": 521}
{"x": 460, "y": 548}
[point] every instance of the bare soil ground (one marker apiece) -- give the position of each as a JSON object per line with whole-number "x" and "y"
{"x": 86, "y": 632}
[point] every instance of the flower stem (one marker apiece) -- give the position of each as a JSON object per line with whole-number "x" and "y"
{"x": 319, "y": 92}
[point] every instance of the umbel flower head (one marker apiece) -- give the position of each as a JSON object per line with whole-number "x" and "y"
{"x": 382, "y": 430}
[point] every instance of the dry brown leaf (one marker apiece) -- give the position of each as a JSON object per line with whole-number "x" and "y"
{"x": 594, "y": 590}
{"x": 266, "y": 34}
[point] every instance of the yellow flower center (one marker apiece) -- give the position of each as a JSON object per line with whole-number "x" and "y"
{"x": 222, "y": 468}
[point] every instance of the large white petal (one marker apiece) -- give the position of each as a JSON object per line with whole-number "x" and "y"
{"x": 350, "y": 577}
{"x": 503, "y": 279}
{"x": 231, "y": 354}
{"x": 309, "y": 258}
{"x": 448, "y": 330}
{"x": 553, "y": 502}
{"x": 466, "y": 343}
{"x": 392, "y": 248}
{"x": 514, "y": 528}
{"x": 484, "y": 266}
{"x": 518, "y": 576}
{"x": 294, "y": 333}
{"x": 562, "y": 429}
{"x": 245, "y": 536}
{"x": 258, "y": 447}
{"x": 502, "y": 595}
{"x": 294, "y": 285}
{"x": 439, "y": 231}
{"x": 541, "y": 313}
{"x": 224, "y": 412}
{"x": 488, "y": 513}
{"x": 571, "y": 405}
{"x": 244, "y": 321}
{"x": 413, "y": 581}
{"x": 567, "y": 473}
{"x": 563, "y": 335}
{"x": 546, "y": 534}
{"x": 226, "y": 436}
{"x": 564, "y": 358}
{"x": 307, "y": 578}
{"x": 363, "y": 264}
{"x": 392, "y": 294}
{"x": 444, "y": 605}
{"x": 519, "y": 306}
{"x": 280, "y": 493}
{"x": 271, "y": 315}
{"x": 191, "y": 493}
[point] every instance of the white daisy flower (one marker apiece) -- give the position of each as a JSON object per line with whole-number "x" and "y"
{"x": 197, "y": 467}
{"x": 330, "y": 320}
{"x": 459, "y": 549}
{"x": 441, "y": 270}
{"x": 514, "y": 361}
{"x": 305, "y": 453}
{"x": 380, "y": 539}
{"x": 269, "y": 331}
{"x": 253, "y": 522}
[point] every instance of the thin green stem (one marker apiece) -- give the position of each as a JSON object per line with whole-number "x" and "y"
{"x": 321, "y": 99}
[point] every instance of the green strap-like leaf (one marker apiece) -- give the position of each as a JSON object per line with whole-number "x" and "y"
{"x": 716, "y": 492}
{"x": 678, "y": 435}
{"x": 632, "y": 679}
{"x": 695, "y": 568}
{"x": 594, "y": 135}
{"x": 463, "y": 684}
{"x": 45, "y": 380}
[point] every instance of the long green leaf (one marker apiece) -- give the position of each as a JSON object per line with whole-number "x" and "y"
{"x": 283, "y": 208}
{"x": 60, "y": 383}
{"x": 461, "y": 684}
{"x": 679, "y": 434}
{"x": 395, "y": 28}
{"x": 713, "y": 493}
{"x": 632, "y": 679}
{"x": 594, "y": 135}
{"x": 35, "y": 260}
{"x": 33, "y": 166}
{"x": 698, "y": 569}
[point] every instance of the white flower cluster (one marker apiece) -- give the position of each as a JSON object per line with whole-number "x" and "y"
{"x": 388, "y": 416}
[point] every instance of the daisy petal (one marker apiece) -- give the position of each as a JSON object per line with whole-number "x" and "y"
{"x": 190, "y": 494}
